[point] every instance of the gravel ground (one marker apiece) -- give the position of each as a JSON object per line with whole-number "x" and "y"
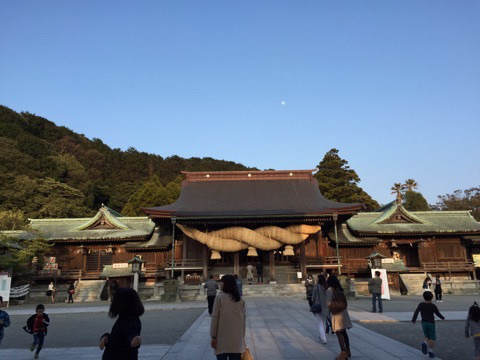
{"x": 71, "y": 330}
{"x": 451, "y": 342}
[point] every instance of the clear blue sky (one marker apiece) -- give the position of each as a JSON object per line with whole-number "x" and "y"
{"x": 394, "y": 85}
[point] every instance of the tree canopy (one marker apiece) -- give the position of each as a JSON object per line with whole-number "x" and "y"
{"x": 468, "y": 199}
{"x": 17, "y": 254}
{"x": 414, "y": 201}
{"x": 152, "y": 193}
{"x": 50, "y": 171}
{"x": 337, "y": 181}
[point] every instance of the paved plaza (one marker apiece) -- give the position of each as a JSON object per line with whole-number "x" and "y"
{"x": 277, "y": 328}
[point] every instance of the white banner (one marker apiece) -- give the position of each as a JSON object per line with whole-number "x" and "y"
{"x": 19, "y": 291}
{"x": 385, "y": 288}
{"x": 5, "y": 282}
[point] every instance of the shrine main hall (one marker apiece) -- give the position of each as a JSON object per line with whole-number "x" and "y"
{"x": 223, "y": 221}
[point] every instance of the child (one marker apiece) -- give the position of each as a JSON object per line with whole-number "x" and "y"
{"x": 427, "y": 309}
{"x": 37, "y": 326}
{"x": 472, "y": 327}
{"x": 4, "y": 320}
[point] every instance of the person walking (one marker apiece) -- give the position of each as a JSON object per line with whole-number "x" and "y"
{"x": 211, "y": 286}
{"x": 52, "y": 291}
{"x": 259, "y": 268}
{"x": 375, "y": 288}
{"x": 337, "y": 304}
{"x": 227, "y": 328}
{"x": 427, "y": 284}
{"x": 37, "y": 326}
{"x": 71, "y": 291}
{"x": 309, "y": 284}
{"x": 239, "y": 282}
{"x": 438, "y": 289}
{"x": 472, "y": 327}
{"x": 250, "y": 273}
{"x": 427, "y": 311}
{"x": 124, "y": 340}
{"x": 319, "y": 306}
{"x": 4, "y": 321}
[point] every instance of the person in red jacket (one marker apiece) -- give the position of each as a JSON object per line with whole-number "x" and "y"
{"x": 37, "y": 326}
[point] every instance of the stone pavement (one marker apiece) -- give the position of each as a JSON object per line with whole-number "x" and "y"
{"x": 103, "y": 307}
{"x": 277, "y": 328}
{"x": 394, "y": 316}
{"x": 284, "y": 329}
{"x": 148, "y": 352}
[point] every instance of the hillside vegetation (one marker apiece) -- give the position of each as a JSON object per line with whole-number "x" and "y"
{"x": 50, "y": 171}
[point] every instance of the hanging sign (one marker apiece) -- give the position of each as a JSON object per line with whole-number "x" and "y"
{"x": 5, "y": 283}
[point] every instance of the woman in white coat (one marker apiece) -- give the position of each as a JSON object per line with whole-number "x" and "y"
{"x": 227, "y": 329}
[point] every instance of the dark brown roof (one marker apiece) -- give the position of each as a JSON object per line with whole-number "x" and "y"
{"x": 250, "y": 194}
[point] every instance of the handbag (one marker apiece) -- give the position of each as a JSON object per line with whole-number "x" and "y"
{"x": 338, "y": 303}
{"x": 247, "y": 355}
{"x": 316, "y": 308}
{"x": 49, "y": 293}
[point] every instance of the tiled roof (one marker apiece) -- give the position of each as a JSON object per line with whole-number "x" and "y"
{"x": 251, "y": 194}
{"x": 345, "y": 237}
{"x": 415, "y": 222}
{"x": 78, "y": 229}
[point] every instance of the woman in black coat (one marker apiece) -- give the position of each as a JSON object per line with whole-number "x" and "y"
{"x": 124, "y": 340}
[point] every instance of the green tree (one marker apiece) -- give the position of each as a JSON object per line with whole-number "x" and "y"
{"x": 414, "y": 201}
{"x": 151, "y": 193}
{"x": 468, "y": 199}
{"x": 12, "y": 220}
{"x": 19, "y": 251}
{"x": 337, "y": 181}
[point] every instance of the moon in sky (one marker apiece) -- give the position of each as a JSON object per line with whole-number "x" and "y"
{"x": 283, "y": 103}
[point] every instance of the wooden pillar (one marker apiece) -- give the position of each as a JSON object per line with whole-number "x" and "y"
{"x": 205, "y": 262}
{"x": 303, "y": 267}
{"x": 236, "y": 263}
{"x": 272, "y": 266}
{"x": 84, "y": 260}
{"x": 184, "y": 255}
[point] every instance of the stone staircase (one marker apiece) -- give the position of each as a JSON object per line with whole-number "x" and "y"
{"x": 272, "y": 290}
{"x": 88, "y": 290}
{"x": 413, "y": 283}
{"x": 286, "y": 274}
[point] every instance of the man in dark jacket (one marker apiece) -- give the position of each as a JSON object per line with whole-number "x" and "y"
{"x": 375, "y": 288}
{"x": 211, "y": 286}
{"x": 259, "y": 268}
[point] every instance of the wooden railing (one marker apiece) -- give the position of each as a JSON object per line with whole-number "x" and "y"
{"x": 186, "y": 264}
{"x": 448, "y": 266}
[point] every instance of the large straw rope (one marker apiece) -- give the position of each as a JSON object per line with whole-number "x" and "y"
{"x": 237, "y": 238}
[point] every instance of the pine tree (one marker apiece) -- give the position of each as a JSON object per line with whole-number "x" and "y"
{"x": 337, "y": 181}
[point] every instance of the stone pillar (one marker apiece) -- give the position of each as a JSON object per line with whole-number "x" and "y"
{"x": 236, "y": 263}
{"x": 303, "y": 264}
{"x": 272, "y": 266}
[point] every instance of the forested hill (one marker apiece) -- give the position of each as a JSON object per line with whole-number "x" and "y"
{"x": 50, "y": 171}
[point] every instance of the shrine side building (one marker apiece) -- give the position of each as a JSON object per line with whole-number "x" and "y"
{"x": 224, "y": 221}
